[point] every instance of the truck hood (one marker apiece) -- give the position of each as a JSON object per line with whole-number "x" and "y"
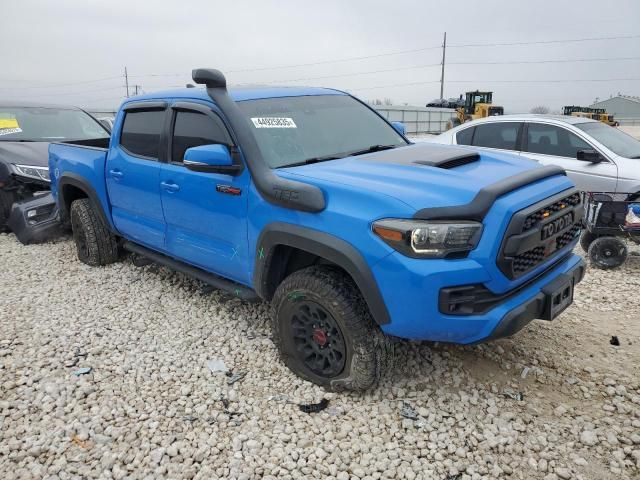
{"x": 419, "y": 175}
{"x": 25, "y": 153}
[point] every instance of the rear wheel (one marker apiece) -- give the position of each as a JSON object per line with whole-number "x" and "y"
{"x": 6, "y": 202}
{"x": 324, "y": 331}
{"x": 95, "y": 244}
{"x": 607, "y": 252}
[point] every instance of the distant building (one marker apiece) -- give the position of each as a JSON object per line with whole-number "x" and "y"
{"x": 625, "y": 108}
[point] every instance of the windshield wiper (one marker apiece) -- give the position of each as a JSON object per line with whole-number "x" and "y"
{"x": 312, "y": 160}
{"x": 371, "y": 149}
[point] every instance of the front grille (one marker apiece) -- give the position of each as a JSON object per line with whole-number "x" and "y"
{"x": 527, "y": 245}
{"x": 536, "y": 217}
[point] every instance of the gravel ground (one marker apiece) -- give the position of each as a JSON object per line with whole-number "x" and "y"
{"x": 555, "y": 401}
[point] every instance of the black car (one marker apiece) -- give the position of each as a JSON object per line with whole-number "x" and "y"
{"x": 26, "y": 129}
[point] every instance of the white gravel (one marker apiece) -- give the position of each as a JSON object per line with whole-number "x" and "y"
{"x": 556, "y": 401}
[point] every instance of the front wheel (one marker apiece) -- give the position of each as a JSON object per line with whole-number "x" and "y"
{"x": 95, "y": 244}
{"x": 324, "y": 331}
{"x": 607, "y": 252}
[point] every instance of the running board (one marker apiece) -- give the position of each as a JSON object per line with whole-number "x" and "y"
{"x": 237, "y": 290}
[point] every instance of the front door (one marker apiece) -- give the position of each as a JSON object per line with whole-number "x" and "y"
{"x": 133, "y": 176}
{"x": 554, "y": 145}
{"x": 205, "y": 212}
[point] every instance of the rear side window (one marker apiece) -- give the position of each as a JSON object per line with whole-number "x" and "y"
{"x": 502, "y": 135}
{"x": 552, "y": 140}
{"x": 193, "y": 129}
{"x": 141, "y": 132}
{"x": 463, "y": 137}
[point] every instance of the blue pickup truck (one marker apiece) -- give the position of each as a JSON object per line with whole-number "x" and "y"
{"x": 309, "y": 199}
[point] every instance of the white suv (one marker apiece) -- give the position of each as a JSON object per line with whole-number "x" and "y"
{"x": 597, "y": 157}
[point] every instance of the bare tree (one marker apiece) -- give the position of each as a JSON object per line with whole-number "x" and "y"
{"x": 387, "y": 101}
{"x": 540, "y": 109}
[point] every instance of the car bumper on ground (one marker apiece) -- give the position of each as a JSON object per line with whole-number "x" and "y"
{"x": 35, "y": 219}
{"x": 419, "y": 310}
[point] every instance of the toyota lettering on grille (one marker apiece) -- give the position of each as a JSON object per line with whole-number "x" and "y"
{"x": 559, "y": 225}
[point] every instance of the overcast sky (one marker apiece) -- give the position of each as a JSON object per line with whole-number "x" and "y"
{"x": 49, "y": 45}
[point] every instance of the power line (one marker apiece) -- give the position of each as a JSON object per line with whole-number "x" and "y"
{"x": 350, "y": 59}
{"x": 413, "y": 67}
{"x": 76, "y": 93}
{"x": 581, "y": 80}
{"x": 63, "y": 84}
{"x": 544, "y": 42}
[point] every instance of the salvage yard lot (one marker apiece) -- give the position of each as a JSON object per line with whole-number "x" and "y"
{"x": 556, "y": 401}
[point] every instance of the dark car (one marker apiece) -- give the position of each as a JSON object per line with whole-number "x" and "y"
{"x": 26, "y": 130}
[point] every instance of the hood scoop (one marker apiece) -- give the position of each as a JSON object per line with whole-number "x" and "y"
{"x": 428, "y": 154}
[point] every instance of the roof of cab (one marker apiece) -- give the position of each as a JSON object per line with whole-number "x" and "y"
{"x": 240, "y": 94}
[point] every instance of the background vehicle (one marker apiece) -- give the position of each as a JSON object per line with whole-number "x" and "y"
{"x": 26, "y": 130}
{"x": 608, "y": 222}
{"x": 308, "y": 198}
{"x": 476, "y": 105}
{"x": 444, "y": 103}
{"x": 597, "y": 157}
{"x": 599, "y": 114}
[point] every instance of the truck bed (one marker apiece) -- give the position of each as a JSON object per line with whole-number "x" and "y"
{"x": 80, "y": 163}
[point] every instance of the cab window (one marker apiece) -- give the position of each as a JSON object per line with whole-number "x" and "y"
{"x": 192, "y": 129}
{"x": 141, "y": 133}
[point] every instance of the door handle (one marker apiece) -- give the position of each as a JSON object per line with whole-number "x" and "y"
{"x": 115, "y": 173}
{"x": 170, "y": 187}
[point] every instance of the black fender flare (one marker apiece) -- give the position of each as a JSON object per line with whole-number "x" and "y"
{"x": 83, "y": 184}
{"x": 323, "y": 245}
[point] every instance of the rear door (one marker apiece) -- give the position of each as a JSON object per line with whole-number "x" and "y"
{"x": 206, "y": 213}
{"x": 133, "y": 174}
{"x": 554, "y": 145}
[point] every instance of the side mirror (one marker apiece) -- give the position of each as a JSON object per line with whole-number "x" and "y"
{"x": 589, "y": 156}
{"x": 214, "y": 158}
{"x": 399, "y": 127}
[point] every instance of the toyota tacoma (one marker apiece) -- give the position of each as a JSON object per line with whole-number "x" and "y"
{"x": 307, "y": 198}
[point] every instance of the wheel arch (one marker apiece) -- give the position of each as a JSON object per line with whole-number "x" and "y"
{"x": 73, "y": 187}
{"x": 283, "y": 248}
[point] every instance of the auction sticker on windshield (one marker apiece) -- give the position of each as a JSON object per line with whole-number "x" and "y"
{"x": 9, "y": 126}
{"x": 273, "y": 122}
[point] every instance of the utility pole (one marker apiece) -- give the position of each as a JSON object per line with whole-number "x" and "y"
{"x": 126, "y": 81}
{"x": 444, "y": 52}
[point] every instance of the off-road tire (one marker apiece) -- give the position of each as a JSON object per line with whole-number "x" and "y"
{"x": 586, "y": 239}
{"x": 6, "y": 202}
{"x": 95, "y": 244}
{"x": 608, "y": 252}
{"x": 369, "y": 353}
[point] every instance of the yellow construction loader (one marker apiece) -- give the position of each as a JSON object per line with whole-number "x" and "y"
{"x": 476, "y": 105}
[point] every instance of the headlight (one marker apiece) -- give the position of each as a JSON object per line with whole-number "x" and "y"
{"x": 39, "y": 173}
{"x": 429, "y": 239}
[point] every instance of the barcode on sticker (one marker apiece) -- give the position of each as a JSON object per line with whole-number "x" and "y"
{"x": 9, "y": 131}
{"x": 273, "y": 122}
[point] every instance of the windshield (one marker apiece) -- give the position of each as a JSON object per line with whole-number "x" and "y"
{"x": 615, "y": 140}
{"x": 295, "y": 130}
{"x": 36, "y": 124}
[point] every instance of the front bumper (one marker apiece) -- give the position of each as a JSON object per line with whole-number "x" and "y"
{"x": 411, "y": 292}
{"x": 35, "y": 219}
